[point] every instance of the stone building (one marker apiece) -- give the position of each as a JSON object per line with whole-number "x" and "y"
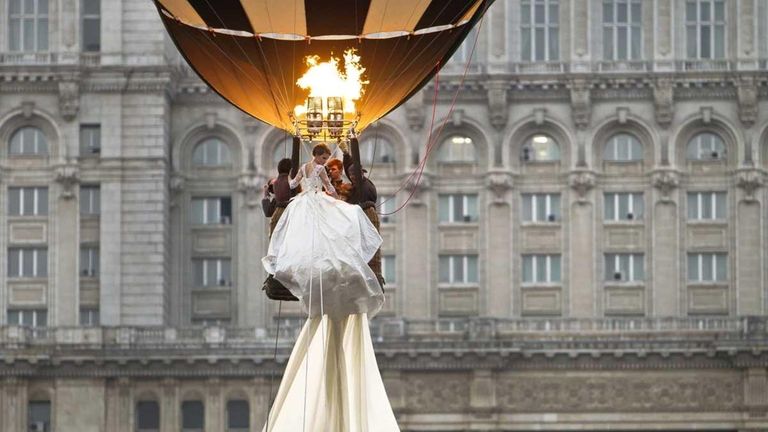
{"x": 585, "y": 249}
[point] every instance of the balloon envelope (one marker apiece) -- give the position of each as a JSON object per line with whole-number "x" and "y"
{"x": 252, "y": 51}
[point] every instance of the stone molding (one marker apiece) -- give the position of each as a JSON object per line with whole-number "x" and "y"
{"x": 68, "y": 176}
{"x": 746, "y": 95}
{"x": 750, "y": 180}
{"x": 664, "y": 101}
{"x": 582, "y": 181}
{"x": 666, "y": 180}
{"x": 581, "y": 104}
{"x": 499, "y": 182}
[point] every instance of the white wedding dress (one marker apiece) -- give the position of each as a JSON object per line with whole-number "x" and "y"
{"x": 320, "y": 250}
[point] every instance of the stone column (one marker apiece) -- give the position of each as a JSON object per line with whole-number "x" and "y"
{"x": 214, "y": 411}
{"x": 580, "y": 52}
{"x": 80, "y": 407}
{"x": 67, "y": 254}
{"x": 169, "y": 406}
{"x": 749, "y": 249}
{"x": 666, "y": 292}
{"x": 498, "y": 285}
{"x": 581, "y": 280}
{"x": 14, "y": 405}
{"x": 417, "y": 288}
{"x": 663, "y": 29}
{"x": 112, "y": 31}
{"x": 110, "y": 258}
{"x": 747, "y": 49}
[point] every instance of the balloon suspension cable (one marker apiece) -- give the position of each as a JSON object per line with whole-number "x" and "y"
{"x": 433, "y": 137}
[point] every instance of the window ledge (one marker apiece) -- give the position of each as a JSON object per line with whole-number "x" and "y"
{"x": 545, "y": 285}
{"x": 474, "y": 224}
{"x": 555, "y": 224}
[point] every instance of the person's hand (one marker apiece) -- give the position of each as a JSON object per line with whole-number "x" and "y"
{"x": 266, "y": 190}
{"x": 343, "y": 147}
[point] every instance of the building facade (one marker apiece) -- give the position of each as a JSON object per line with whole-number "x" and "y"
{"x": 585, "y": 248}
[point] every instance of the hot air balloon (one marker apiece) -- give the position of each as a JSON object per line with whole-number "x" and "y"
{"x": 252, "y": 52}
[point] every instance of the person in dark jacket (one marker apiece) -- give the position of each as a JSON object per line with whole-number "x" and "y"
{"x": 274, "y": 207}
{"x": 363, "y": 193}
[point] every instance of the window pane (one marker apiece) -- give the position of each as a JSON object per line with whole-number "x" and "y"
{"x": 639, "y": 205}
{"x": 690, "y": 11}
{"x": 693, "y": 206}
{"x": 722, "y": 266}
{"x": 554, "y": 206}
{"x": 623, "y": 206}
{"x": 39, "y": 412}
{"x": 472, "y": 269}
{"x": 458, "y": 269}
{"x": 42, "y": 205}
{"x": 14, "y": 201}
{"x": 608, "y": 44}
{"x": 525, "y": 14}
{"x": 541, "y": 208}
{"x": 192, "y": 415}
{"x": 693, "y": 267}
{"x": 197, "y": 271}
{"x": 622, "y": 14}
{"x": 527, "y": 207}
{"x": 639, "y": 268}
{"x": 147, "y": 415}
{"x": 636, "y": 43}
{"x": 238, "y": 414}
{"x": 554, "y": 44}
{"x": 42, "y": 318}
{"x": 92, "y": 35}
{"x": 610, "y": 266}
{"x": 539, "y": 14}
{"x": 15, "y": 7}
{"x": 212, "y": 211}
{"x": 91, "y": 7}
{"x": 636, "y": 12}
{"x": 609, "y": 210}
{"x": 197, "y": 211}
{"x": 472, "y": 207}
{"x": 704, "y": 11}
{"x": 690, "y": 41}
{"x": 720, "y": 205}
{"x": 719, "y": 41}
{"x": 525, "y": 42}
{"x": 555, "y": 268}
{"x": 705, "y": 41}
{"x": 541, "y": 268}
{"x": 528, "y": 268}
{"x": 14, "y": 257}
{"x": 608, "y": 11}
{"x": 458, "y": 208}
{"x": 14, "y": 317}
{"x": 445, "y": 269}
{"x": 28, "y": 263}
{"x": 29, "y": 34}
{"x": 707, "y": 269}
{"x": 42, "y": 34}
{"x": 554, "y": 13}
{"x": 42, "y": 263}
{"x": 540, "y": 53}
{"x": 719, "y": 11}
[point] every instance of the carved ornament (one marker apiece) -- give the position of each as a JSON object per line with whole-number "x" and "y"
{"x": 69, "y": 99}
{"x": 581, "y": 105}
{"x": 582, "y": 181}
{"x": 750, "y": 180}
{"x": 664, "y": 101}
{"x": 499, "y": 182}
{"x": 68, "y": 176}
{"x": 746, "y": 94}
{"x": 666, "y": 181}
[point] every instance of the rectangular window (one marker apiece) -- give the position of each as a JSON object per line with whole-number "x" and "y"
{"x": 622, "y": 29}
{"x": 211, "y": 272}
{"x": 705, "y": 29}
{"x": 388, "y": 269}
{"x": 27, "y": 201}
{"x": 707, "y": 267}
{"x": 387, "y": 204}
{"x": 238, "y": 415}
{"x": 623, "y": 206}
{"x": 90, "y": 140}
{"x": 91, "y": 14}
{"x": 28, "y": 25}
{"x": 706, "y": 205}
{"x": 624, "y": 267}
{"x": 458, "y": 269}
{"x": 89, "y": 317}
{"x": 28, "y": 317}
{"x": 90, "y": 200}
{"x": 212, "y": 211}
{"x": 541, "y": 207}
{"x": 540, "y": 30}
{"x": 39, "y": 415}
{"x": 541, "y": 269}
{"x": 192, "y": 416}
{"x": 27, "y": 262}
{"x": 89, "y": 261}
{"x": 148, "y": 416}
{"x": 458, "y": 208}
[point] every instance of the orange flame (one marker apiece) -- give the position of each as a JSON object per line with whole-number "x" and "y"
{"x": 325, "y": 79}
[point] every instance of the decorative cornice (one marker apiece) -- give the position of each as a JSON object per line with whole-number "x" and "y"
{"x": 582, "y": 181}
{"x": 666, "y": 180}
{"x": 750, "y": 180}
{"x": 581, "y": 104}
{"x": 499, "y": 182}
{"x": 68, "y": 176}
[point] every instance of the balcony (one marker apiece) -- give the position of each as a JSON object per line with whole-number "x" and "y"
{"x": 85, "y": 59}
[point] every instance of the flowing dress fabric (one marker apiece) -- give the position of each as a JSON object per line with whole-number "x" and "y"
{"x": 319, "y": 250}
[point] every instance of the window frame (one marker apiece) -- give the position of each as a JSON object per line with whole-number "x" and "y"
{"x": 387, "y": 204}
{"x": 388, "y": 270}
{"x": 529, "y": 150}
{"x": 636, "y": 264}
{"x": 38, "y": 19}
{"x": 37, "y": 201}
{"x": 466, "y": 199}
{"x": 92, "y": 315}
{"x": 548, "y": 207}
{"x": 632, "y": 199}
{"x": 223, "y": 154}
{"x": 85, "y": 17}
{"x": 220, "y": 272}
{"x": 548, "y": 263}
{"x": 90, "y": 133}
{"x": 90, "y": 200}
{"x": 633, "y": 144}
{"x": 465, "y": 263}
{"x": 713, "y": 25}
{"x": 36, "y": 315}
{"x": 614, "y": 26}
{"x": 699, "y": 271}
{"x": 367, "y": 147}
{"x": 92, "y": 267}
{"x": 41, "y": 147}
{"x": 230, "y": 427}
{"x": 184, "y": 418}
{"x": 697, "y": 214}
{"x": 223, "y": 219}
{"x": 37, "y": 253}
{"x": 716, "y": 145}
{"x": 138, "y": 414}
{"x": 446, "y": 150}
{"x": 550, "y": 29}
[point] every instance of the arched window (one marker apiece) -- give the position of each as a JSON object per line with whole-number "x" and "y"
{"x": 458, "y": 148}
{"x": 29, "y": 140}
{"x": 282, "y": 150}
{"x": 211, "y": 152}
{"x": 377, "y": 150}
{"x": 192, "y": 415}
{"x": 238, "y": 415}
{"x": 540, "y": 148}
{"x": 705, "y": 146}
{"x": 623, "y": 148}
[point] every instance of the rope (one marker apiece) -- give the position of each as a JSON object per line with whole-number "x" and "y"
{"x": 430, "y": 141}
{"x": 274, "y": 360}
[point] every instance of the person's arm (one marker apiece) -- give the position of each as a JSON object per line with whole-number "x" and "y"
{"x": 347, "y": 162}
{"x": 327, "y": 183}
{"x": 296, "y": 180}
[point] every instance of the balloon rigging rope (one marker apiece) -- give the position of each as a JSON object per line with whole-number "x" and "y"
{"x": 432, "y": 139}
{"x": 274, "y": 362}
